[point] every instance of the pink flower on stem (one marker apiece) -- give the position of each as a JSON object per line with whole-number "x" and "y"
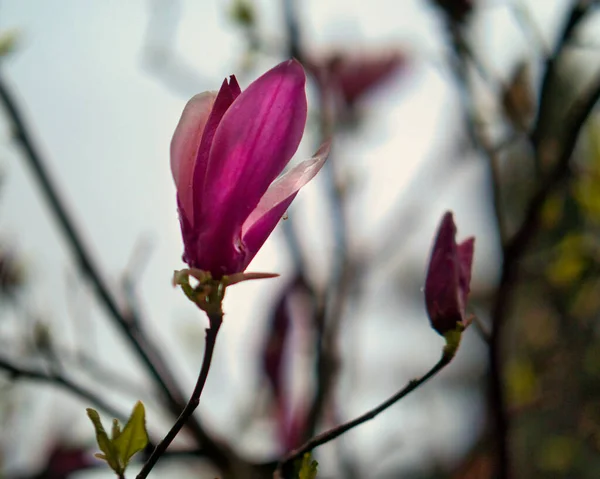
{"x": 226, "y": 154}
{"x": 448, "y": 279}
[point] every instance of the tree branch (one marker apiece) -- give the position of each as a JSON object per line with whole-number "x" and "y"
{"x": 337, "y": 431}
{"x": 577, "y": 13}
{"x": 58, "y": 379}
{"x": 211, "y": 337}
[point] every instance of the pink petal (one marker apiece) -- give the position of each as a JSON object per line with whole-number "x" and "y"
{"x": 272, "y": 206}
{"x": 228, "y": 92}
{"x": 256, "y": 138}
{"x": 357, "y": 76}
{"x": 185, "y": 143}
{"x": 442, "y": 282}
{"x": 465, "y": 260}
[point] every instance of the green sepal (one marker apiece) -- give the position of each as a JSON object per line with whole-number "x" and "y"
{"x": 308, "y": 468}
{"x": 453, "y": 338}
{"x": 208, "y": 293}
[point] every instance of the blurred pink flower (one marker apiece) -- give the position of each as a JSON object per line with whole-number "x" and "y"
{"x": 227, "y": 151}
{"x": 291, "y": 310}
{"x": 448, "y": 279}
{"x": 349, "y": 76}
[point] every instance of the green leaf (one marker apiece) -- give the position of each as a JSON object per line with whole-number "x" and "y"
{"x": 242, "y": 12}
{"x": 104, "y": 443}
{"x": 8, "y": 41}
{"x": 134, "y": 436}
{"x": 308, "y": 469}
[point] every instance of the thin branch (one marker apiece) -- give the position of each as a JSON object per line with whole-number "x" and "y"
{"x": 577, "y": 13}
{"x": 211, "y": 337}
{"x": 58, "y": 379}
{"x": 476, "y": 128}
{"x": 15, "y": 372}
{"x": 328, "y": 325}
{"x": 481, "y": 329}
{"x": 101, "y": 373}
{"x": 129, "y": 324}
{"x": 337, "y": 431}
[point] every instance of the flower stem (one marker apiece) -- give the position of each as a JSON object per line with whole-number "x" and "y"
{"x": 215, "y": 321}
{"x": 337, "y": 431}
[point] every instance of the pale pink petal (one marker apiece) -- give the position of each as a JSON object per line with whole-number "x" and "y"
{"x": 185, "y": 144}
{"x": 261, "y": 222}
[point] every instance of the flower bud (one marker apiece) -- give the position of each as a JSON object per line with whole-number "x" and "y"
{"x": 448, "y": 279}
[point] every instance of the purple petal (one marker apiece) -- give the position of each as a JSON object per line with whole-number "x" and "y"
{"x": 465, "y": 262}
{"x": 273, "y": 352}
{"x": 256, "y": 138}
{"x": 358, "y": 75}
{"x": 272, "y": 206}
{"x": 442, "y": 282}
{"x": 226, "y": 96}
{"x": 185, "y": 144}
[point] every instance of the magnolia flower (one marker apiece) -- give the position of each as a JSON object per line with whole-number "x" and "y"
{"x": 448, "y": 278}
{"x": 350, "y": 76}
{"x": 291, "y": 310}
{"x": 227, "y": 151}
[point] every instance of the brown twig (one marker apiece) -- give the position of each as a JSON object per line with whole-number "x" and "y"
{"x": 337, "y": 431}
{"x": 211, "y": 337}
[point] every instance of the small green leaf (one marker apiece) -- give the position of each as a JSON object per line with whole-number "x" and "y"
{"x": 104, "y": 443}
{"x": 134, "y": 436}
{"x": 8, "y": 42}
{"x": 242, "y": 12}
{"x": 308, "y": 469}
